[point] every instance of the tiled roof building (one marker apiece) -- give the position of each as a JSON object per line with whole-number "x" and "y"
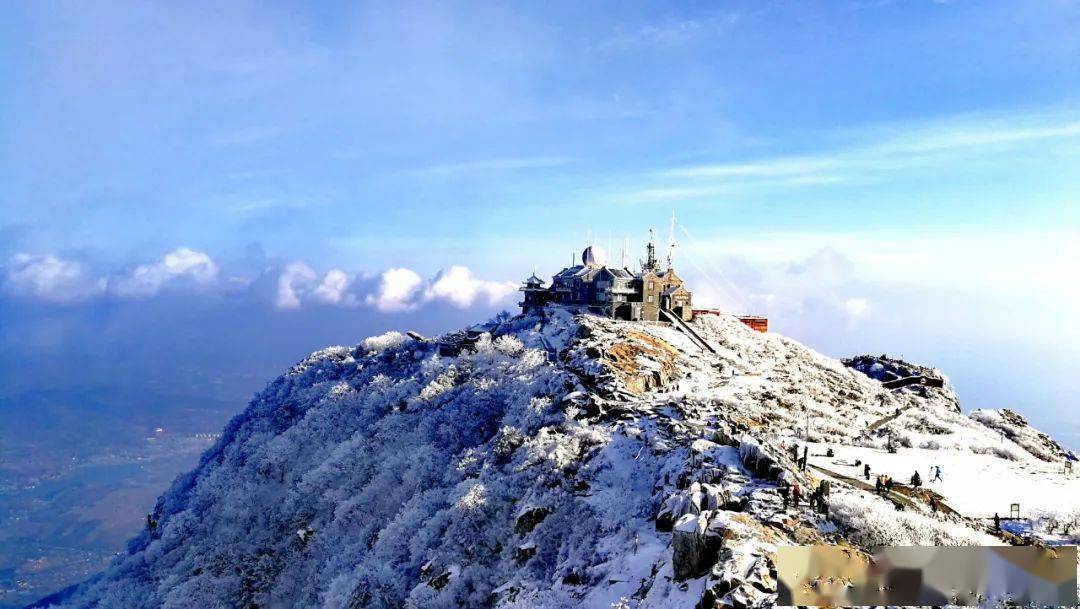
{"x": 614, "y": 292}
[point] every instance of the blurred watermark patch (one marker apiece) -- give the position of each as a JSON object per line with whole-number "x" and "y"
{"x": 843, "y": 576}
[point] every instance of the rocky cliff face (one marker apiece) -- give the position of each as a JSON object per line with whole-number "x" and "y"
{"x": 564, "y": 461}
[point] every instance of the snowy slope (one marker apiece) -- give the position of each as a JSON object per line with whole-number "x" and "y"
{"x": 570, "y": 461}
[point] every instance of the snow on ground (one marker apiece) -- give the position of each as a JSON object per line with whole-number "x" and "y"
{"x": 972, "y": 484}
{"x": 873, "y": 521}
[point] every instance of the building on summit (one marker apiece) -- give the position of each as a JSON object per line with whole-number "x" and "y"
{"x": 651, "y": 294}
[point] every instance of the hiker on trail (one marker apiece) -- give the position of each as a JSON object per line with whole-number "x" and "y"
{"x": 151, "y": 523}
{"x": 933, "y": 504}
{"x": 878, "y": 485}
{"x": 866, "y": 471}
{"x": 997, "y": 522}
{"x": 796, "y": 494}
{"x": 916, "y": 481}
{"x": 795, "y": 452}
{"x": 937, "y": 474}
{"x": 822, "y": 492}
{"x": 785, "y": 494}
{"x": 888, "y": 483}
{"x": 897, "y": 413}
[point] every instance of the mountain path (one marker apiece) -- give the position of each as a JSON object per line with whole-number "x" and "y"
{"x": 888, "y": 419}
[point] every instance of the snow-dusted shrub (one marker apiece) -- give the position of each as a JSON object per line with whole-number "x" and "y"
{"x": 509, "y": 345}
{"x": 872, "y": 521}
{"x": 507, "y": 442}
{"x": 1015, "y": 427}
{"x": 484, "y": 344}
{"x": 439, "y": 384}
{"x": 533, "y": 358}
{"x": 380, "y": 382}
{"x": 1063, "y": 521}
{"x": 923, "y": 422}
{"x": 541, "y": 599}
{"x": 339, "y": 390}
{"x": 474, "y": 498}
{"x": 382, "y": 342}
{"x": 999, "y": 451}
{"x": 337, "y": 354}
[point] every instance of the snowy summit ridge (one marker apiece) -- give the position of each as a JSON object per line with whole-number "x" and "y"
{"x": 560, "y": 461}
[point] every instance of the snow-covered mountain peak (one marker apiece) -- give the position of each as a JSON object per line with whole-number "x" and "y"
{"x": 561, "y": 461}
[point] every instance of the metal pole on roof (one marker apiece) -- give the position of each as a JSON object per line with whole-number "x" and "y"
{"x": 671, "y": 243}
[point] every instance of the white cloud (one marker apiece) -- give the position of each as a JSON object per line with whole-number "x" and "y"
{"x": 299, "y": 283}
{"x": 458, "y": 286}
{"x": 181, "y": 264}
{"x": 819, "y": 290}
{"x": 50, "y": 279}
{"x": 876, "y": 150}
{"x": 295, "y": 280}
{"x": 396, "y": 291}
{"x": 334, "y": 288}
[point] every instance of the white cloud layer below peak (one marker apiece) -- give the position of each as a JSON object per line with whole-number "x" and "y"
{"x": 393, "y": 290}
{"x": 53, "y": 279}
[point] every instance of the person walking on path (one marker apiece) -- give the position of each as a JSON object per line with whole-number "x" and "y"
{"x": 916, "y": 481}
{"x": 785, "y": 495}
{"x": 937, "y": 474}
{"x": 997, "y": 522}
{"x": 866, "y": 471}
{"x": 933, "y": 504}
{"x": 796, "y": 494}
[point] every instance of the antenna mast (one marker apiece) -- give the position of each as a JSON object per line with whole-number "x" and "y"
{"x": 625, "y": 247}
{"x": 671, "y": 243}
{"x": 650, "y": 253}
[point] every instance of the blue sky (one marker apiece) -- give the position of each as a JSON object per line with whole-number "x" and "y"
{"x": 875, "y": 176}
